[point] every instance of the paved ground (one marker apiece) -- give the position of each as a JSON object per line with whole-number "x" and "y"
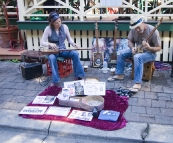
{"x": 153, "y": 104}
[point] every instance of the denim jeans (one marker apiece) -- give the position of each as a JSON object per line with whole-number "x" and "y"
{"x": 77, "y": 67}
{"x": 139, "y": 60}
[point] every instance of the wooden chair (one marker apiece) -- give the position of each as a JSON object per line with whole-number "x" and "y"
{"x": 148, "y": 71}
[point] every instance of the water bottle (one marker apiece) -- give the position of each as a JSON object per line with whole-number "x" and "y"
{"x": 105, "y": 66}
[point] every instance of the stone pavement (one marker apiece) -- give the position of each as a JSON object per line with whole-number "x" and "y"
{"x": 153, "y": 104}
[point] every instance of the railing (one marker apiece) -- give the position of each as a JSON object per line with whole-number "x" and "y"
{"x": 84, "y": 9}
{"x": 85, "y": 38}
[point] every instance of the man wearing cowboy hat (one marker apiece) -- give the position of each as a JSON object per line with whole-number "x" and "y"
{"x": 137, "y": 37}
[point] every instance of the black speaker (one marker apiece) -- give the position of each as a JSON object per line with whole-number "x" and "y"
{"x": 31, "y": 70}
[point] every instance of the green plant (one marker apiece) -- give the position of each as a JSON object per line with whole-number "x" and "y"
{"x": 15, "y": 61}
{"x": 3, "y": 5}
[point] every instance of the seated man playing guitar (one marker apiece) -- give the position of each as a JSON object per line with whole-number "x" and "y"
{"x": 54, "y": 37}
{"x": 145, "y": 36}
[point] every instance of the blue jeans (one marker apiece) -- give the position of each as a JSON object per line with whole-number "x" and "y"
{"x": 139, "y": 60}
{"x": 77, "y": 67}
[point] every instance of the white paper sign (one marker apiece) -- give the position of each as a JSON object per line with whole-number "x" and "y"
{"x": 94, "y": 88}
{"x": 81, "y": 115}
{"x": 77, "y": 85}
{"x": 44, "y": 100}
{"x": 33, "y": 110}
{"x": 68, "y": 91}
{"x": 71, "y": 84}
{"x": 58, "y": 111}
{"x": 111, "y": 3}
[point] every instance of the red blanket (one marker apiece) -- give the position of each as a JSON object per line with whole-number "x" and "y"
{"x": 112, "y": 102}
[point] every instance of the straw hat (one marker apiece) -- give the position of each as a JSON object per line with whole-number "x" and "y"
{"x": 135, "y": 21}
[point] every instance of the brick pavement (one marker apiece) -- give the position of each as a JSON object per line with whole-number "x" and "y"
{"x": 152, "y": 104}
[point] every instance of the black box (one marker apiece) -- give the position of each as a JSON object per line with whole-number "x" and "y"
{"x": 32, "y": 70}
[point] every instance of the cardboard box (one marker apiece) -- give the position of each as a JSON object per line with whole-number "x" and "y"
{"x": 74, "y": 101}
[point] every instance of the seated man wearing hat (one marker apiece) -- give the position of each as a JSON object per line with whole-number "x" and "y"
{"x": 137, "y": 36}
{"x": 54, "y": 37}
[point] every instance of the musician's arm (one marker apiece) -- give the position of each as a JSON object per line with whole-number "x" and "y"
{"x": 130, "y": 44}
{"x": 69, "y": 39}
{"x": 44, "y": 37}
{"x": 130, "y": 38}
{"x": 152, "y": 49}
{"x": 156, "y": 42}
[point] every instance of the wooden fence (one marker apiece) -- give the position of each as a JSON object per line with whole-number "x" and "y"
{"x": 84, "y": 39}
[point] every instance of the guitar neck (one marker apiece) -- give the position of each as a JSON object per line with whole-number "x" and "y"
{"x": 44, "y": 52}
{"x": 154, "y": 29}
{"x": 115, "y": 34}
{"x": 96, "y": 34}
{"x": 115, "y": 38}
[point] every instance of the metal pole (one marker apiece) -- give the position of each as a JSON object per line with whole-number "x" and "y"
{"x": 172, "y": 67}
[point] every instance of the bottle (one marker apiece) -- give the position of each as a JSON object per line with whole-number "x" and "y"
{"x": 105, "y": 66}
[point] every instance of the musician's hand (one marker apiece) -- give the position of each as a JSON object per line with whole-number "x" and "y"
{"x": 76, "y": 46}
{"x": 145, "y": 45}
{"x": 134, "y": 50}
{"x": 53, "y": 45}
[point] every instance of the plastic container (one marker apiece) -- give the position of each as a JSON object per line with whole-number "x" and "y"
{"x": 105, "y": 66}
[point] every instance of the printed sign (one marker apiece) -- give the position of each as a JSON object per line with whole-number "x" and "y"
{"x": 33, "y": 110}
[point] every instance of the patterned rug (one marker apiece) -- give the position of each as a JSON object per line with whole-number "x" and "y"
{"x": 112, "y": 102}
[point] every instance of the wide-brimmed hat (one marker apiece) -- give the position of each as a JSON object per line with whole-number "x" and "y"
{"x": 135, "y": 21}
{"x": 53, "y": 16}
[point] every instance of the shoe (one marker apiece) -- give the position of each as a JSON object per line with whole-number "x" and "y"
{"x": 136, "y": 87}
{"x": 77, "y": 78}
{"x": 54, "y": 84}
{"x": 110, "y": 79}
{"x": 118, "y": 77}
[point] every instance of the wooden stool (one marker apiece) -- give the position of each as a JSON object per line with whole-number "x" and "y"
{"x": 148, "y": 71}
{"x": 64, "y": 67}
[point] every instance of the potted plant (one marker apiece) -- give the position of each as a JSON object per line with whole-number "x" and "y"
{"x": 7, "y": 31}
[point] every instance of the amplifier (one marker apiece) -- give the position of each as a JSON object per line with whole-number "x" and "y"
{"x": 31, "y": 70}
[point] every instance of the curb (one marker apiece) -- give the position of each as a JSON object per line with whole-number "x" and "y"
{"x": 132, "y": 131}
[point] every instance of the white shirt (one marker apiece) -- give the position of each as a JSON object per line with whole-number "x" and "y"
{"x": 47, "y": 33}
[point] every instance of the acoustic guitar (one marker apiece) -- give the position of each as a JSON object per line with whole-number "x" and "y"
{"x": 98, "y": 56}
{"x": 139, "y": 49}
{"x": 114, "y": 55}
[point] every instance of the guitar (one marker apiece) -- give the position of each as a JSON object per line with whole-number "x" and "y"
{"x": 114, "y": 55}
{"x": 139, "y": 49}
{"x": 97, "y": 56}
{"x": 51, "y": 51}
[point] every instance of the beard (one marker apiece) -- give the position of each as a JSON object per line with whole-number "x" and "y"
{"x": 141, "y": 31}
